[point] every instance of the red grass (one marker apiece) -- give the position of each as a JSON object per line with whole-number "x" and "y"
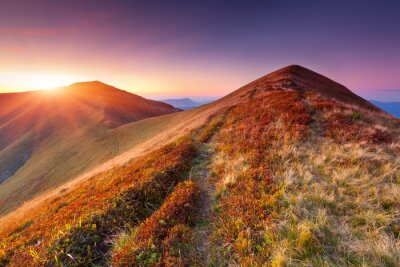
{"x": 243, "y": 209}
{"x": 347, "y": 124}
{"x": 156, "y": 239}
{"x": 106, "y": 200}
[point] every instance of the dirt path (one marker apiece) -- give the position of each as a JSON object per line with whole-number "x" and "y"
{"x": 200, "y": 173}
{"x": 316, "y": 130}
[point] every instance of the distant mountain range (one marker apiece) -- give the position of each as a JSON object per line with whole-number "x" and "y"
{"x": 181, "y": 103}
{"x": 390, "y": 107}
{"x": 185, "y": 103}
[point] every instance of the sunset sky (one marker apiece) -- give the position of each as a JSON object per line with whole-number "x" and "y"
{"x": 205, "y": 49}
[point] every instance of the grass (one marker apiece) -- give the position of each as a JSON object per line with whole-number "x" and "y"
{"x": 163, "y": 239}
{"x": 295, "y": 189}
{"x": 245, "y": 187}
{"x": 334, "y": 213}
{"x": 75, "y": 227}
{"x": 78, "y": 226}
{"x": 55, "y": 162}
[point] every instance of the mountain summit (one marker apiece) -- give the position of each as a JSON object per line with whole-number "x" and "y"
{"x": 303, "y": 80}
{"x": 117, "y": 106}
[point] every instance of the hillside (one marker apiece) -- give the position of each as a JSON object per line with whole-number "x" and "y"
{"x": 47, "y": 137}
{"x": 291, "y": 169}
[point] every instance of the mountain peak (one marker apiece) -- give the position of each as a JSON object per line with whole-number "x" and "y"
{"x": 301, "y": 79}
{"x": 89, "y": 85}
{"x": 292, "y": 69}
{"x": 298, "y": 71}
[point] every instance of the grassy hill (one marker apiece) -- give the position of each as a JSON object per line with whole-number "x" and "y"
{"x": 49, "y": 137}
{"x": 291, "y": 169}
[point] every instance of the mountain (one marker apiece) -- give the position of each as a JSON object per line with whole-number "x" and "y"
{"x": 186, "y": 103}
{"x": 46, "y": 137}
{"x": 181, "y": 103}
{"x": 390, "y": 107}
{"x": 303, "y": 80}
{"x": 291, "y": 169}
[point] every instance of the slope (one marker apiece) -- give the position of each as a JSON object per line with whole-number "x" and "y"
{"x": 297, "y": 177}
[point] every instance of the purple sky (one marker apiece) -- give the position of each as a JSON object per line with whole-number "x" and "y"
{"x": 208, "y": 48}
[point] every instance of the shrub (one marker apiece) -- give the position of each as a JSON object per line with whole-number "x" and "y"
{"x": 356, "y": 115}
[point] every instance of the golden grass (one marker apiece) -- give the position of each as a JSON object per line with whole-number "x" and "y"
{"x": 336, "y": 207}
{"x": 294, "y": 196}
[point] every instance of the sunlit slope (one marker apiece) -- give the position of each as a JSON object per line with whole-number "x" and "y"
{"x": 47, "y": 137}
{"x": 92, "y": 150}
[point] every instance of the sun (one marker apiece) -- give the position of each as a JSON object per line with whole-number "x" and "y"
{"x": 37, "y": 80}
{"x": 51, "y": 81}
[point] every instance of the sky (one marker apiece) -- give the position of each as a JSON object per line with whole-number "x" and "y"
{"x": 199, "y": 49}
